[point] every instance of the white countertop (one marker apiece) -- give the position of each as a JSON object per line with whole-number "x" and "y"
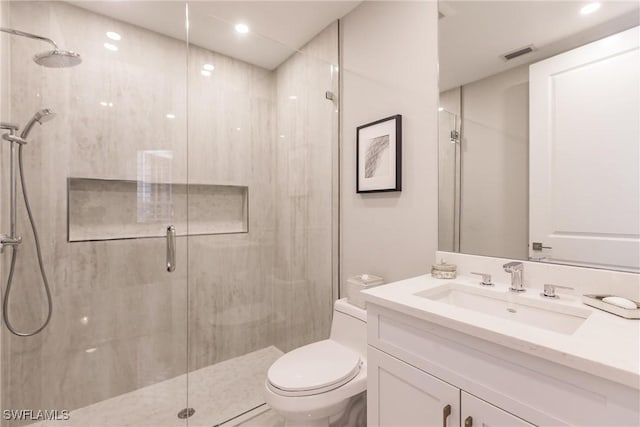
{"x": 605, "y": 345}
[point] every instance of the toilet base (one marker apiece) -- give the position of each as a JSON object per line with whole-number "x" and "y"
{"x": 320, "y": 416}
{"x": 352, "y": 413}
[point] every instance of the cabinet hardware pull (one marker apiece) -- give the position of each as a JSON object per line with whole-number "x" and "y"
{"x": 171, "y": 248}
{"x": 468, "y": 422}
{"x": 446, "y": 411}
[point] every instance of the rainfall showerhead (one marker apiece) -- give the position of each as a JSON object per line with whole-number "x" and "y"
{"x": 41, "y": 117}
{"x": 58, "y": 58}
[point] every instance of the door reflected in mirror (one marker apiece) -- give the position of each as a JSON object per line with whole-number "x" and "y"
{"x": 539, "y": 132}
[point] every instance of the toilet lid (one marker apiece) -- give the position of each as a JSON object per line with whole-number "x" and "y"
{"x": 316, "y": 367}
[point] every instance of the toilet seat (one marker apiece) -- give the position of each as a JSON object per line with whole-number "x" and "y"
{"x": 313, "y": 369}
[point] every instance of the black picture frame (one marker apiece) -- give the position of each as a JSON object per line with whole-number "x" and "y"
{"x": 379, "y": 156}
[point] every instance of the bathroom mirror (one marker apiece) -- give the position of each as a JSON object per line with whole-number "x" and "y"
{"x": 539, "y": 134}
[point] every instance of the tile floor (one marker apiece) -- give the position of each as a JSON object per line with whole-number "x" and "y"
{"x": 260, "y": 417}
{"x": 218, "y": 393}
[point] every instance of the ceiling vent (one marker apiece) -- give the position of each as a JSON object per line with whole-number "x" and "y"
{"x": 518, "y": 52}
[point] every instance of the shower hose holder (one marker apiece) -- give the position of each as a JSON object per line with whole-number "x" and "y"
{"x": 6, "y": 240}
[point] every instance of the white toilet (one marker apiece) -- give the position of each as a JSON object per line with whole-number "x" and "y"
{"x": 314, "y": 385}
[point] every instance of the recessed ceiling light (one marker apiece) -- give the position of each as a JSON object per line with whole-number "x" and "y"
{"x": 440, "y": 109}
{"x": 113, "y": 35}
{"x": 590, "y": 8}
{"x": 293, "y": 97}
{"x": 242, "y": 28}
{"x": 208, "y": 67}
{"x": 170, "y": 116}
{"x": 205, "y": 73}
{"x": 282, "y": 136}
{"x": 111, "y": 47}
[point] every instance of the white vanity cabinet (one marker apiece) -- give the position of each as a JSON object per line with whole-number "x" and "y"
{"x": 404, "y": 396}
{"x": 477, "y": 412}
{"x": 416, "y": 369}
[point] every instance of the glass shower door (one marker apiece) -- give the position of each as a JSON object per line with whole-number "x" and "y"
{"x": 106, "y": 178}
{"x": 157, "y": 127}
{"x": 263, "y": 138}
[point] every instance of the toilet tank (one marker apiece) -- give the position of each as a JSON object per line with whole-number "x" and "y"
{"x": 349, "y": 326}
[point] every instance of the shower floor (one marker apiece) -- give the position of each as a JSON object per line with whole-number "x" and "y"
{"x": 218, "y": 393}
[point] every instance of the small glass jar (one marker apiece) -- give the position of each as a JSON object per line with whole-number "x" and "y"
{"x": 442, "y": 270}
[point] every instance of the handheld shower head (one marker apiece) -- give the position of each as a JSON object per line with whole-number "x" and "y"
{"x": 44, "y": 115}
{"x": 58, "y": 58}
{"x": 41, "y": 117}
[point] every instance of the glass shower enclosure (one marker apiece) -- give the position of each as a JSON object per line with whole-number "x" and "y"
{"x": 185, "y": 198}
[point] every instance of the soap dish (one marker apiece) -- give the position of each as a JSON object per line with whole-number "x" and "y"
{"x": 596, "y": 301}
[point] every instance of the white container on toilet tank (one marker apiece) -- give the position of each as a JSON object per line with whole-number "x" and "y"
{"x": 356, "y": 284}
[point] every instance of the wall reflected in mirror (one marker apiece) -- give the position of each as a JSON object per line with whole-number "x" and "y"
{"x": 539, "y": 133}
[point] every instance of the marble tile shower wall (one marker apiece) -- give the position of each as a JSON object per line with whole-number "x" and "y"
{"x": 307, "y": 124}
{"x": 4, "y": 108}
{"x": 273, "y": 285}
{"x": 120, "y": 320}
{"x": 230, "y": 276}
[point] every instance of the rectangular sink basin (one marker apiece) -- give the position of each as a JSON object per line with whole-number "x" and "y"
{"x": 548, "y": 315}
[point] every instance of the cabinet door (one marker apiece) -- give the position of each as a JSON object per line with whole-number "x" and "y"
{"x": 400, "y": 395}
{"x": 478, "y": 413}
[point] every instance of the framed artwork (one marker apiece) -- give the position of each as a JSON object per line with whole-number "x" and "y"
{"x": 379, "y": 156}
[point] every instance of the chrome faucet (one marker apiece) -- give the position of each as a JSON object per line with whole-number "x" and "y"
{"x": 517, "y": 276}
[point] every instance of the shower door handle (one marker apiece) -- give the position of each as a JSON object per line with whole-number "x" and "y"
{"x": 171, "y": 248}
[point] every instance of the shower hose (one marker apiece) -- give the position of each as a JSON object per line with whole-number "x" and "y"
{"x": 14, "y": 256}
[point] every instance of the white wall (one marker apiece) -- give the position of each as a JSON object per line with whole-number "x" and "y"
{"x": 389, "y": 65}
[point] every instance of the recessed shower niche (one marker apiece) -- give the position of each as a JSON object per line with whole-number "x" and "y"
{"x": 109, "y": 209}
